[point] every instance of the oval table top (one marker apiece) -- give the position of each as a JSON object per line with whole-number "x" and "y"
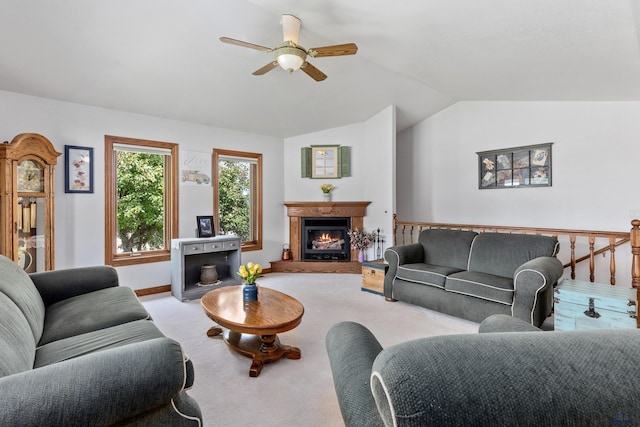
{"x": 274, "y": 312}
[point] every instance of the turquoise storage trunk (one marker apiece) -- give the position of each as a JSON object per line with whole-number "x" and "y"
{"x": 582, "y": 305}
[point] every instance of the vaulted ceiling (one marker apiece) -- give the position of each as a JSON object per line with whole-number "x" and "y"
{"x": 164, "y": 57}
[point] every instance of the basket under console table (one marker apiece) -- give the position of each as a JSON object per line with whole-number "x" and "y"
{"x": 188, "y": 255}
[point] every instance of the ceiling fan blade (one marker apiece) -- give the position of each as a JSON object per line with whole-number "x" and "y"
{"x": 313, "y": 72}
{"x": 270, "y": 66}
{"x": 245, "y": 44}
{"x": 336, "y": 50}
{"x": 290, "y": 28}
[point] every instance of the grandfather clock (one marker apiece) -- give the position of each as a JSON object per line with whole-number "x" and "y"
{"x": 26, "y": 201}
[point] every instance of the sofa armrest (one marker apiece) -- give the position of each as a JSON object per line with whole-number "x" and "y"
{"x": 530, "y": 281}
{"x": 100, "y": 388}
{"x": 352, "y": 348}
{"x": 58, "y": 285}
{"x": 523, "y": 378}
{"x": 505, "y": 323}
{"x": 399, "y": 255}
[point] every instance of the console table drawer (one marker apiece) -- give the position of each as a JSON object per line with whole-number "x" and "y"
{"x": 214, "y": 246}
{"x": 193, "y": 248}
{"x": 230, "y": 245}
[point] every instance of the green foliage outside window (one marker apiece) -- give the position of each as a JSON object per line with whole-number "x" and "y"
{"x": 234, "y": 193}
{"x": 140, "y": 201}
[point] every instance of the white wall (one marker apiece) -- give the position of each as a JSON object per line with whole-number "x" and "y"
{"x": 79, "y": 218}
{"x": 594, "y": 165}
{"x": 372, "y": 154}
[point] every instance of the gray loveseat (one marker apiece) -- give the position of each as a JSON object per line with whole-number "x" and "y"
{"x": 510, "y": 374}
{"x": 474, "y": 275}
{"x": 76, "y": 349}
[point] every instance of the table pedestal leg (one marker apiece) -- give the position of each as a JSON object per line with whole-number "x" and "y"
{"x": 263, "y": 349}
{"x": 214, "y": 331}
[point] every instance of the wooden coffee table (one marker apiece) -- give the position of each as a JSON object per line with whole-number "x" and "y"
{"x": 252, "y": 326}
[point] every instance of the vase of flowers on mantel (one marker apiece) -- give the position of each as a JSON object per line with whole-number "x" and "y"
{"x": 360, "y": 240}
{"x": 326, "y": 192}
{"x": 249, "y": 273}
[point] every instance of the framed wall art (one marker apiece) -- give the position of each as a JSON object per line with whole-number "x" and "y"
{"x": 78, "y": 169}
{"x": 325, "y": 161}
{"x": 527, "y": 166}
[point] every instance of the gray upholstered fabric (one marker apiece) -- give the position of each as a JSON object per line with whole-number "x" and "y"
{"x": 501, "y": 253}
{"x": 168, "y": 415}
{"x": 98, "y": 388}
{"x": 427, "y": 274}
{"x": 496, "y": 278}
{"x": 524, "y": 379}
{"x": 464, "y": 306}
{"x": 90, "y": 342}
{"x": 16, "y": 339}
{"x": 504, "y": 323}
{"x": 533, "y": 286}
{"x": 92, "y": 311}
{"x": 399, "y": 255}
{"x": 352, "y": 349}
{"x": 102, "y": 339}
{"x": 447, "y": 247}
{"x": 17, "y": 285}
{"x": 58, "y": 285}
{"x": 98, "y": 363}
{"x": 481, "y": 285}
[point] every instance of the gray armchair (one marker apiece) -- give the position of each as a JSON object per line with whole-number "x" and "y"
{"x": 508, "y": 374}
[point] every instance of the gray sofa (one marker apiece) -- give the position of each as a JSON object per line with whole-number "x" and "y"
{"x": 474, "y": 275}
{"x": 510, "y": 374}
{"x": 76, "y": 349}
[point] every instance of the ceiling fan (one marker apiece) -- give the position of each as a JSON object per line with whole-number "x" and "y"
{"x": 290, "y": 55}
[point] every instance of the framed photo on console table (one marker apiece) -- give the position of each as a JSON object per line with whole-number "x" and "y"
{"x": 205, "y": 226}
{"x": 527, "y": 166}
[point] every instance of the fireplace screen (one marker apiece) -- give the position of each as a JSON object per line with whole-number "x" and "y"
{"x": 325, "y": 239}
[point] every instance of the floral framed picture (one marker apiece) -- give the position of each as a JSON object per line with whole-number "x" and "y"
{"x": 78, "y": 169}
{"x": 527, "y": 166}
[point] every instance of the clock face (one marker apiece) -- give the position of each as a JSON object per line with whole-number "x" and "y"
{"x": 30, "y": 177}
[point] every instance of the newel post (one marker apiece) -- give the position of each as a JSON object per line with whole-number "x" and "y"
{"x": 634, "y": 239}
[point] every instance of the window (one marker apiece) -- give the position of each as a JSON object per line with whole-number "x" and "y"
{"x": 237, "y": 196}
{"x": 141, "y": 200}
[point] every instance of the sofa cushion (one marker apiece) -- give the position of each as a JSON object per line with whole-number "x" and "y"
{"x": 79, "y": 345}
{"x": 90, "y": 312}
{"x": 502, "y": 253}
{"x": 481, "y": 285}
{"x": 16, "y": 339}
{"x": 447, "y": 247}
{"x": 427, "y": 274}
{"x": 17, "y": 285}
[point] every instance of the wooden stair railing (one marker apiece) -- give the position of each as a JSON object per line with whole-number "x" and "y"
{"x": 406, "y": 232}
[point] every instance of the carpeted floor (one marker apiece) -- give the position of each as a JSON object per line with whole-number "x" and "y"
{"x": 289, "y": 392}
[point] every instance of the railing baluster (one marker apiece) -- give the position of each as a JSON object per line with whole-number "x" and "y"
{"x": 592, "y": 265}
{"x": 572, "y": 242}
{"x": 612, "y": 260}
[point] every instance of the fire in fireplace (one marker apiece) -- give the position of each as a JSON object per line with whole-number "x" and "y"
{"x": 325, "y": 239}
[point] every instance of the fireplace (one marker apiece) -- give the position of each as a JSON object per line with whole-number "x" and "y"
{"x": 297, "y": 213}
{"x": 325, "y": 239}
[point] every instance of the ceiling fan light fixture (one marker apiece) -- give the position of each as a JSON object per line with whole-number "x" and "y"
{"x": 290, "y": 58}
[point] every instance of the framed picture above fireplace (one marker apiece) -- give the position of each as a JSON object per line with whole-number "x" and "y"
{"x": 324, "y": 161}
